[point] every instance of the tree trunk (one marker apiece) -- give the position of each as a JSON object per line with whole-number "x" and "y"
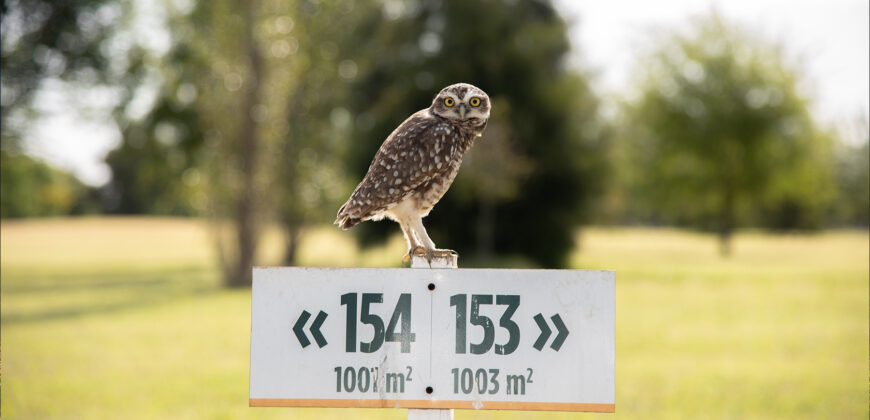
{"x": 292, "y": 246}
{"x": 726, "y": 223}
{"x": 246, "y": 229}
{"x": 293, "y": 216}
{"x": 486, "y": 228}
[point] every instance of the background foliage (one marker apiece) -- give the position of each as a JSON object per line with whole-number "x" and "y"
{"x": 720, "y": 136}
{"x": 270, "y": 111}
{"x": 34, "y": 189}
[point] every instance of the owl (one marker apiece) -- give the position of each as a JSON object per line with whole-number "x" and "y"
{"x": 416, "y": 164}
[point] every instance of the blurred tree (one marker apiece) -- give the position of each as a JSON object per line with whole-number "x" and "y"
{"x": 719, "y": 133}
{"x": 155, "y": 169}
{"x": 530, "y": 179}
{"x": 852, "y": 207}
{"x": 248, "y": 99}
{"x": 31, "y": 188}
{"x": 48, "y": 41}
{"x": 44, "y": 39}
{"x": 225, "y": 72}
{"x": 315, "y": 59}
{"x": 189, "y": 119}
{"x": 802, "y": 190}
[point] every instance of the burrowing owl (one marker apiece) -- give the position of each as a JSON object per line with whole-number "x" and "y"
{"x": 417, "y": 163}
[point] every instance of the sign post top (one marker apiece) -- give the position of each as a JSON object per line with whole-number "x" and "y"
{"x": 450, "y": 260}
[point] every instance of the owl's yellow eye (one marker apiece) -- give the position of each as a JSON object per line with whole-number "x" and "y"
{"x": 475, "y": 101}
{"x": 449, "y": 102}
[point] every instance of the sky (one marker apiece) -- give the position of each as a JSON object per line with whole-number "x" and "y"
{"x": 830, "y": 38}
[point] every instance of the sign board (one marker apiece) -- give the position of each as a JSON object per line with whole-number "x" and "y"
{"x": 433, "y": 338}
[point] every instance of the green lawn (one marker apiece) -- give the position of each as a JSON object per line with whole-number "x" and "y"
{"x": 107, "y": 318}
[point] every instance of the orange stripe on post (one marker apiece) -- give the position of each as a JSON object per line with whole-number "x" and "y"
{"x": 463, "y": 405}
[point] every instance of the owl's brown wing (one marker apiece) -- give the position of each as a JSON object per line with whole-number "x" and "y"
{"x": 413, "y": 154}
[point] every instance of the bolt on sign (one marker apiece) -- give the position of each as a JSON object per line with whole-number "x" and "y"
{"x": 435, "y": 338}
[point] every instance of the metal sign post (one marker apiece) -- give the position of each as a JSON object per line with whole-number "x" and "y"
{"x": 433, "y": 339}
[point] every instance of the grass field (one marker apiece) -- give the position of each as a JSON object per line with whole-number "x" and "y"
{"x": 108, "y": 318}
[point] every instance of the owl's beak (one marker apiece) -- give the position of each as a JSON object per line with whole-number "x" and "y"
{"x": 462, "y": 111}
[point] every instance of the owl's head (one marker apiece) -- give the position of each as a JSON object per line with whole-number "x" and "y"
{"x": 462, "y": 103}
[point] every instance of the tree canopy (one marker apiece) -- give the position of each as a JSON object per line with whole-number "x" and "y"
{"x": 720, "y": 133}
{"x": 49, "y": 39}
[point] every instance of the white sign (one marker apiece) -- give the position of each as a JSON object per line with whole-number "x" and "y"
{"x": 433, "y": 338}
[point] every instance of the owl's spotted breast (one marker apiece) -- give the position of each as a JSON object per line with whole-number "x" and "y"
{"x": 419, "y": 160}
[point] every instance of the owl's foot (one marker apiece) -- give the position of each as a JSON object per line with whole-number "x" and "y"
{"x": 430, "y": 255}
{"x": 442, "y": 253}
{"x": 445, "y": 258}
{"x": 417, "y": 251}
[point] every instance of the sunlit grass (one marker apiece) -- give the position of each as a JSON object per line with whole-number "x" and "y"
{"x": 780, "y": 329}
{"x": 125, "y": 318}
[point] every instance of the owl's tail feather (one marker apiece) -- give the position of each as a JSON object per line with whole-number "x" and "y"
{"x": 344, "y": 220}
{"x": 347, "y": 222}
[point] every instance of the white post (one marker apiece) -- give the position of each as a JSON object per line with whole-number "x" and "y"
{"x": 430, "y": 414}
{"x": 450, "y": 261}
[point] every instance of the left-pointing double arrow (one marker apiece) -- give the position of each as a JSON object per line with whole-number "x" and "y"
{"x": 315, "y": 329}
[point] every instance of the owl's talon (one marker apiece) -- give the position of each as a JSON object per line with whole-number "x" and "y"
{"x": 443, "y": 253}
{"x": 417, "y": 251}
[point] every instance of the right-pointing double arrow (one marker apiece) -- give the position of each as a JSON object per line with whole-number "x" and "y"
{"x": 546, "y": 332}
{"x": 315, "y": 329}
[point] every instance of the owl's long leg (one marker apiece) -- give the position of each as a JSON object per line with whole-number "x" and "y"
{"x": 420, "y": 231}
{"x": 413, "y": 243}
{"x": 412, "y": 240}
{"x": 431, "y": 251}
